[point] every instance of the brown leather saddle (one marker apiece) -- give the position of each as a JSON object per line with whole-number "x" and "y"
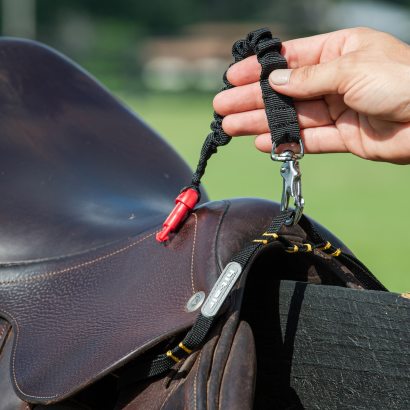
{"x": 87, "y": 293}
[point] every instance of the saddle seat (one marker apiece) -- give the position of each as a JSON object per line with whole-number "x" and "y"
{"x": 78, "y": 170}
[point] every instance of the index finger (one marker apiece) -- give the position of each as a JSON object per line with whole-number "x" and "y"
{"x": 298, "y": 53}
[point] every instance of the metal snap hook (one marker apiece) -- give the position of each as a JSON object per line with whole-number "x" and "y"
{"x": 292, "y": 187}
{"x": 287, "y": 154}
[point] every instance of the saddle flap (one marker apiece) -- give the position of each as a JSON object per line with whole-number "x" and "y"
{"x": 78, "y": 318}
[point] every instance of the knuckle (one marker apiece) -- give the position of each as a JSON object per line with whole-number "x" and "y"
{"x": 361, "y": 33}
{"x": 362, "y": 30}
{"x": 303, "y": 74}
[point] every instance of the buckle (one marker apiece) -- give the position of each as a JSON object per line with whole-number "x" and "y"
{"x": 292, "y": 186}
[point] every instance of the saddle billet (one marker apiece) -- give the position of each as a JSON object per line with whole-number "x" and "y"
{"x": 86, "y": 292}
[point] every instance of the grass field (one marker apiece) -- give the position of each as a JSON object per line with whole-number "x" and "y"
{"x": 366, "y": 204}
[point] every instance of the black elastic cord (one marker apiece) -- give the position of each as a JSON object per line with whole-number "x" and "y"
{"x": 280, "y": 110}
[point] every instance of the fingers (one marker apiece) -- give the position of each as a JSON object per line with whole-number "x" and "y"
{"x": 239, "y": 99}
{"x": 316, "y": 140}
{"x": 246, "y": 123}
{"x": 298, "y": 53}
{"x": 245, "y": 72}
{"x": 310, "y": 114}
{"x": 310, "y": 81}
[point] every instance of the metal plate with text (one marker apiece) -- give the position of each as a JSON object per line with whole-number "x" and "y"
{"x": 221, "y": 289}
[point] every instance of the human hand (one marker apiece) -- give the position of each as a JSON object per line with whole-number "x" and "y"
{"x": 351, "y": 90}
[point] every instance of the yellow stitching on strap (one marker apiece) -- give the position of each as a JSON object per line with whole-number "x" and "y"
{"x": 337, "y": 252}
{"x": 308, "y": 247}
{"x": 293, "y": 250}
{"x": 273, "y": 235}
{"x": 174, "y": 358}
{"x": 184, "y": 348}
{"x": 325, "y": 247}
{"x": 264, "y": 241}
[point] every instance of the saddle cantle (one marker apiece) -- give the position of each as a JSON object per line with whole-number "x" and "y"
{"x": 86, "y": 292}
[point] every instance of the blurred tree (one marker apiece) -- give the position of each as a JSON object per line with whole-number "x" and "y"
{"x": 156, "y": 16}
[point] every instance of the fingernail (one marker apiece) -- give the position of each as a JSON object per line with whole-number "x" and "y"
{"x": 280, "y": 76}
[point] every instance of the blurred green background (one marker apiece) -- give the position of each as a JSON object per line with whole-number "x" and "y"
{"x": 165, "y": 60}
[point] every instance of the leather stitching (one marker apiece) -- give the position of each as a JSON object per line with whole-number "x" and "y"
{"x": 14, "y": 359}
{"x": 195, "y": 380}
{"x": 55, "y": 395}
{"x": 51, "y": 274}
{"x": 217, "y": 236}
{"x": 169, "y": 394}
{"x": 70, "y": 268}
{"x": 193, "y": 253}
{"x": 48, "y": 275}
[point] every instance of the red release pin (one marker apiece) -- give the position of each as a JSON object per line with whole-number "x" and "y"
{"x": 185, "y": 203}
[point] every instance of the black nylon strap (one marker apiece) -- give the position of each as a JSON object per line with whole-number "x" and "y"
{"x": 280, "y": 110}
{"x": 200, "y": 330}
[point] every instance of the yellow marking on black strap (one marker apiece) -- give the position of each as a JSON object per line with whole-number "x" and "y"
{"x": 326, "y": 246}
{"x": 173, "y": 357}
{"x": 273, "y": 235}
{"x": 308, "y": 247}
{"x": 293, "y": 250}
{"x": 264, "y": 241}
{"x": 337, "y": 252}
{"x": 184, "y": 348}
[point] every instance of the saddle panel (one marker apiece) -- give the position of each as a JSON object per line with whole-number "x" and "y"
{"x": 78, "y": 170}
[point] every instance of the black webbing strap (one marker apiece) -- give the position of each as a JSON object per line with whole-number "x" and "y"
{"x": 200, "y": 330}
{"x": 280, "y": 110}
{"x": 203, "y": 324}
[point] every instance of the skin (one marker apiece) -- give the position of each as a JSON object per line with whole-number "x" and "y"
{"x": 351, "y": 90}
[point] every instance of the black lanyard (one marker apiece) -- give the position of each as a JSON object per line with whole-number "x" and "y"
{"x": 284, "y": 129}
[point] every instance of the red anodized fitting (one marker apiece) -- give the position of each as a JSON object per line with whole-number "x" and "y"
{"x": 185, "y": 202}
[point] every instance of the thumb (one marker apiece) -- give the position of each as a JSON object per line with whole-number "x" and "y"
{"x": 307, "y": 82}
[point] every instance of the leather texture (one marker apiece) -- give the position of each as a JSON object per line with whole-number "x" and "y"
{"x": 220, "y": 376}
{"x": 80, "y": 170}
{"x": 118, "y": 301}
{"x": 8, "y": 397}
